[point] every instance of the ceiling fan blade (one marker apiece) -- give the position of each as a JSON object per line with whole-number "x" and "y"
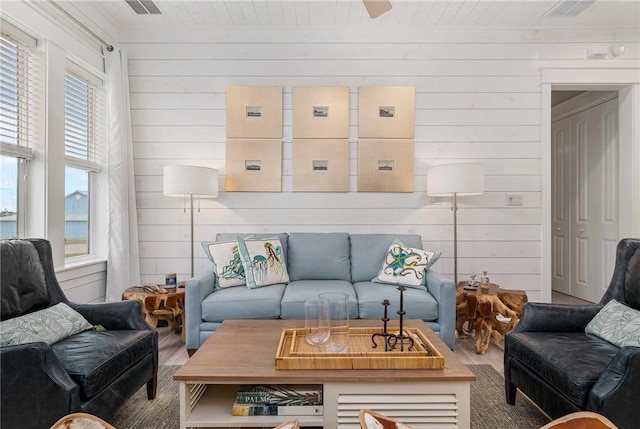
{"x": 375, "y": 8}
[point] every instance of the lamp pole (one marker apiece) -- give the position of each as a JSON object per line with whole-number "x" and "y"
{"x": 191, "y": 205}
{"x": 455, "y": 238}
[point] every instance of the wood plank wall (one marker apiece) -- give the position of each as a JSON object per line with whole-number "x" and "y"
{"x": 477, "y": 100}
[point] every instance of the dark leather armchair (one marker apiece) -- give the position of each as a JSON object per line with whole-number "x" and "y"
{"x": 92, "y": 371}
{"x": 550, "y": 358}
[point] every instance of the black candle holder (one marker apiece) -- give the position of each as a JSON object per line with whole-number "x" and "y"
{"x": 391, "y": 341}
{"x": 385, "y": 333}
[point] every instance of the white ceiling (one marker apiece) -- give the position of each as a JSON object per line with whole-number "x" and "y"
{"x": 341, "y": 13}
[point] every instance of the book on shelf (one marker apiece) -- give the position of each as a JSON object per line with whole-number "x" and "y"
{"x": 276, "y": 410}
{"x": 280, "y": 394}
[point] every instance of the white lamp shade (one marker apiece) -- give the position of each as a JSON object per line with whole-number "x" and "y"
{"x": 461, "y": 179}
{"x": 180, "y": 180}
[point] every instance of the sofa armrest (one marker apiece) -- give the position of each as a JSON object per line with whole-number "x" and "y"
{"x": 32, "y": 374}
{"x": 122, "y": 315}
{"x": 617, "y": 388}
{"x": 197, "y": 289}
{"x": 444, "y": 291}
{"x": 542, "y": 317}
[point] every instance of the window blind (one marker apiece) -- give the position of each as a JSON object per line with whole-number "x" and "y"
{"x": 84, "y": 113}
{"x": 18, "y": 95}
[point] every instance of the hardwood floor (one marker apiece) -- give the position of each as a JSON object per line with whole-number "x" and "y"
{"x": 173, "y": 351}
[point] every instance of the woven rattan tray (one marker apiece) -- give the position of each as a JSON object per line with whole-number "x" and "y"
{"x": 295, "y": 353}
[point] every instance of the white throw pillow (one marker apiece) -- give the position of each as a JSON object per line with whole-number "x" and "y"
{"x": 616, "y": 323}
{"x": 405, "y": 265}
{"x": 49, "y": 326}
{"x": 263, "y": 262}
{"x": 227, "y": 264}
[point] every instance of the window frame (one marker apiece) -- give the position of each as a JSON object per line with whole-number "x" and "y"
{"x": 96, "y": 144}
{"x": 22, "y": 150}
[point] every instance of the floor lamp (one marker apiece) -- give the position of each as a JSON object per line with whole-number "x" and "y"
{"x": 191, "y": 181}
{"x": 455, "y": 180}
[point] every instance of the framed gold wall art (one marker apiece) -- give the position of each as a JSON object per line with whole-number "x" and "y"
{"x": 320, "y": 112}
{"x": 385, "y": 165}
{"x": 254, "y": 112}
{"x": 253, "y": 166}
{"x": 386, "y": 112}
{"x": 320, "y": 165}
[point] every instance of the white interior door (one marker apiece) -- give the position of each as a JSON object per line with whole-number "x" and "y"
{"x": 585, "y": 172}
{"x": 595, "y": 217}
{"x": 561, "y": 210}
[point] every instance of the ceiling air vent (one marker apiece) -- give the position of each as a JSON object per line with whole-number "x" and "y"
{"x": 569, "y": 8}
{"x": 144, "y": 7}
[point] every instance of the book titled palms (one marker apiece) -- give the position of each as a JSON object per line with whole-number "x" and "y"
{"x": 280, "y": 394}
{"x": 256, "y": 409}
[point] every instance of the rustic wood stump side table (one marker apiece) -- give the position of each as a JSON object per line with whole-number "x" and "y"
{"x": 156, "y": 306}
{"x": 490, "y": 313}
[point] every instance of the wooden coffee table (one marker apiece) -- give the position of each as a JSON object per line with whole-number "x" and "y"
{"x": 243, "y": 352}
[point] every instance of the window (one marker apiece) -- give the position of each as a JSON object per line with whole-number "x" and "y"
{"x": 83, "y": 131}
{"x": 17, "y": 101}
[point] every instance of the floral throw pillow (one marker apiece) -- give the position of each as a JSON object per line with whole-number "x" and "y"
{"x": 227, "y": 264}
{"x": 405, "y": 265}
{"x": 616, "y": 323}
{"x": 263, "y": 262}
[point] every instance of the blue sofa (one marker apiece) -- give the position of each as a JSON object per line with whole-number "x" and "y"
{"x": 321, "y": 262}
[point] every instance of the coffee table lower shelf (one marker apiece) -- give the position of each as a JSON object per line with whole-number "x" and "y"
{"x": 442, "y": 405}
{"x": 213, "y": 409}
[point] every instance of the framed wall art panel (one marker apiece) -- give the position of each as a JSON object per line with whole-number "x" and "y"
{"x": 320, "y": 112}
{"x": 253, "y": 166}
{"x": 386, "y": 112}
{"x": 385, "y": 165}
{"x": 254, "y": 112}
{"x": 320, "y": 165}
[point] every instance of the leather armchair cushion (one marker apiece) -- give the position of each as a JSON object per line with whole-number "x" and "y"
{"x": 23, "y": 285}
{"x": 571, "y": 361}
{"x": 95, "y": 358}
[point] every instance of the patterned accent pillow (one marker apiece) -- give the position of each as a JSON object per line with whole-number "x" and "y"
{"x": 405, "y": 265}
{"x": 263, "y": 262}
{"x": 49, "y": 325}
{"x": 616, "y": 323}
{"x": 227, "y": 264}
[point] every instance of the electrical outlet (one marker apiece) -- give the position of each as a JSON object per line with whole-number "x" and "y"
{"x": 514, "y": 200}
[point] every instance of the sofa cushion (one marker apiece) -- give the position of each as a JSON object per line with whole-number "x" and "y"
{"x": 404, "y": 265}
{"x": 243, "y": 303}
{"x": 95, "y": 358}
{"x": 292, "y": 305}
{"x": 23, "y": 284}
{"x": 571, "y": 361}
{"x": 368, "y": 250}
{"x": 227, "y": 264}
{"x": 417, "y": 303}
{"x": 616, "y": 323}
{"x": 263, "y": 261}
{"x": 319, "y": 256}
{"x": 49, "y": 326}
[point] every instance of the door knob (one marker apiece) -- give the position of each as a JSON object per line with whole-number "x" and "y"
{"x": 582, "y": 230}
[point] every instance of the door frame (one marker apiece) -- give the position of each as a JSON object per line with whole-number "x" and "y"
{"x": 627, "y": 83}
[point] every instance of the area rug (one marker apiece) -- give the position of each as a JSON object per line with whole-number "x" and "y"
{"x": 488, "y": 407}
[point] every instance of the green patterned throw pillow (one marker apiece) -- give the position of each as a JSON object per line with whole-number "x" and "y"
{"x": 263, "y": 262}
{"x": 227, "y": 264}
{"x": 616, "y": 323}
{"x": 49, "y": 326}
